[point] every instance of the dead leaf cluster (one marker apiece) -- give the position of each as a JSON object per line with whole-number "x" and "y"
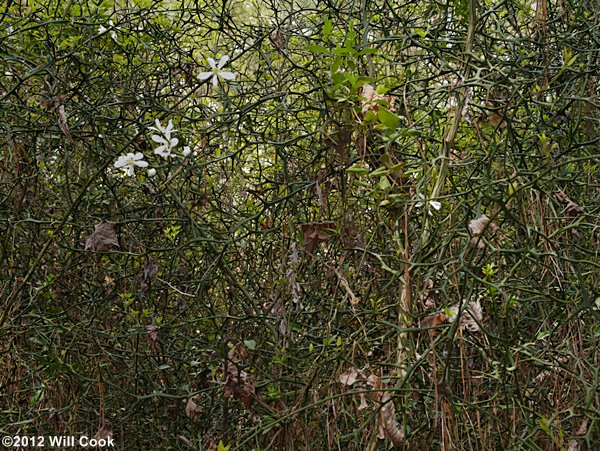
{"x": 104, "y": 238}
{"x": 477, "y": 227}
{"x": 372, "y": 100}
{"x": 571, "y": 208}
{"x": 316, "y": 232}
{"x": 238, "y": 384}
{"x": 471, "y": 317}
{"x": 387, "y": 423}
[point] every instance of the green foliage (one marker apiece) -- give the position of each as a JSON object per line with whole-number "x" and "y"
{"x": 380, "y": 211}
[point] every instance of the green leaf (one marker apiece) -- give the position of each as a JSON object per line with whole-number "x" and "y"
{"x": 315, "y": 48}
{"x": 388, "y": 118}
{"x": 384, "y": 183}
{"x": 357, "y": 169}
{"x": 367, "y": 51}
{"x": 381, "y": 171}
{"x": 250, "y": 344}
{"x": 164, "y": 366}
{"x": 327, "y": 27}
{"x": 342, "y": 50}
{"x": 337, "y": 62}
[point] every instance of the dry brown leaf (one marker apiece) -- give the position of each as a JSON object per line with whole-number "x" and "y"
{"x": 477, "y": 227}
{"x": 193, "y": 409}
{"x": 572, "y": 209}
{"x": 104, "y": 237}
{"x": 363, "y": 402}
{"x": 152, "y": 330}
{"x": 387, "y": 414}
{"x": 315, "y": 232}
{"x": 471, "y": 318}
{"x": 372, "y": 100}
{"x": 348, "y": 377}
{"x": 148, "y": 273}
{"x": 63, "y": 123}
{"x": 434, "y": 320}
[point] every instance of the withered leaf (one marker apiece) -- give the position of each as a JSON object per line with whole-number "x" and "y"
{"x": 314, "y": 232}
{"x": 348, "y": 377}
{"x": 363, "y": 402}
{"x": 63, "y": 123}
{"x": 148, "y": 273}
{"x": 152, "y": 330}
{"x": 372, "y": 100}
{"x": 572, "y": 209}
{"x": 477, "y": 227}
{"x": 104, "y": 237}
{"x": 192, "y": 408}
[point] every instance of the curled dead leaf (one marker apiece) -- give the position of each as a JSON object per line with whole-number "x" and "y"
{"x": 192, "y": 408}
{"x": 104, "y": 237}
{"x": 477, "y": 227}
{"x": 387, "y": 415}
{"x": 471, "y": 317}
{"x": 152, "y": 330}
{"x": 148, "y": 273}
{"x": 434, "y": 320}
{"x": 372, "y": 100}
{"x": 315, "y": 232}
{"x": 348, "y": 377}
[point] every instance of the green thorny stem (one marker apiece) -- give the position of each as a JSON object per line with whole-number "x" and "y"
{"x": 450, "y": 135}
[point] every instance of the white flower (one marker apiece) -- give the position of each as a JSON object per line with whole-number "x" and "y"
{"x": 216, "y": 71}
{"x": 151, "y": 172}
{"x": 130, "y": 161}
{"x": 186, "y": 151}
{"x": 166, "y": 142}
{"x": 113, "y": 34}
{"x": 434, "y": 203}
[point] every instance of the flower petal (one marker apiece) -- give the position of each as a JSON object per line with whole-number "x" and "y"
{"x": 141, "y": 163}
{"x": 159, "y": 139}
{"x": 227, "y": 75}
{"x": 212, "y": 63}
{"x": 169, "y": 128}
{"x": 162, "y": 151}
{"x": 174, "y": 142}
{"x": 120, "y": 162}
{"x": 435, "y": 204}
{"x": 205, "y": 75}
{"x": 138, "y": 156}
{"x": 215, "y": 81}
{"x": 223, "y": 61}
